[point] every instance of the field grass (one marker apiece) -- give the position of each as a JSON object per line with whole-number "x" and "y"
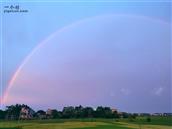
{"x": 139, "y": 123}
{"x": 160, "y": 120}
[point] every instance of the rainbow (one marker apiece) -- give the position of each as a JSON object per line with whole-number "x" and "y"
{"x": 19, "y": 69}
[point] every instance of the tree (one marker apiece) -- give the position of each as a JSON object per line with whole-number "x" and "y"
{"x": 2, "y": 114}
{"x": 88, "y": 112}
{"x": 40, "y": 114}
{"x": 55, "y": 114}
{"x": 148, "y": 119}
{"x": 68, "y": 112}
{"x": 79, "y": 112}
{"x": 125, "y": 115}
{"x": 115, "y": 114}
{"x": 24, "y": 112}
{"x": 99, "y": 113}
{"x": 108, "y": 112}
{"x": 13, "y": 111}
{"x": 104, "y": 112}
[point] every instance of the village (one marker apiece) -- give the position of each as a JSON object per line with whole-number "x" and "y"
{"x": 24, "y": 112}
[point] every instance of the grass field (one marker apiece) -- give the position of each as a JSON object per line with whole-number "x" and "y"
{"x": 139, "y": 123}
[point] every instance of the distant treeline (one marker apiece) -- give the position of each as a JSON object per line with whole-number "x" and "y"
{"x": 18, "y": 111}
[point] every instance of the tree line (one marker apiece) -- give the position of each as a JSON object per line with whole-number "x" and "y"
{"x": 14, "y": 112}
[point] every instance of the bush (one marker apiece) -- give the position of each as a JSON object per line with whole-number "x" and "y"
{"x": 148, "y": 119}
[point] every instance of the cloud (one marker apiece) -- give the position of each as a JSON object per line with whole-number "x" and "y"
{"x": 125, "y": 91}
{"x": 158, "y": 91}
{"x": 112, "y": 94}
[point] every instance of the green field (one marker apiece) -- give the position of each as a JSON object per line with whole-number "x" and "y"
{"x": 138, "y": 123}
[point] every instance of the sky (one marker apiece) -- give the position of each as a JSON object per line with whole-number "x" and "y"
{"x": 21, "y": 33}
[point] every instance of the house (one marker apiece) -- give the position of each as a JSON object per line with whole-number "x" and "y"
{"x": 41, "y": 114}
{"x": 157, "y": 114}
{"x": 52, "y": 113}
{"x": 167, "y": 114}
{"x": 26, "y": 113}
{"x": 114, "y": 110}
{"x": 49, "y": 113}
